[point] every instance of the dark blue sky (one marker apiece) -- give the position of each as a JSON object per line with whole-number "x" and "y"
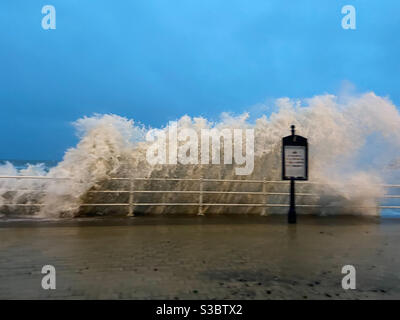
{"x": 156, "y": 60}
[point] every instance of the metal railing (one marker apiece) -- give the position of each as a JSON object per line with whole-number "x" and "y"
{"x": 131, "y": 204}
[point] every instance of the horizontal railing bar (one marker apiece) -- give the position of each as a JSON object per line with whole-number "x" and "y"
{"x": 101, "y": 204}
{"x": 210, "y": 204}
{"x": 239, "y": 181}
{"x": 184, "y": 179}
{"x": 197, "y": 192}
{"x": 222, "y": 192}
{"x": 21, "y": 190}
{"x": 298, "y": 205}
{"x": 257, "y": 181}
{"x": 166, "y": 179}
{"x": 193, "y": 192}
{"x": 155, "y": 179}
{"x": 204, "y": 204}
{"x": 33, "y": 177}
{"x": 22, "y": 204}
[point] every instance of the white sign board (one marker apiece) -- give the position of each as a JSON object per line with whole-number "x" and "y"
{"x": 295, "y": 161}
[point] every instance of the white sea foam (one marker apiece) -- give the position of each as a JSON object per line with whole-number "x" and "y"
{"x": 354, "y": 141}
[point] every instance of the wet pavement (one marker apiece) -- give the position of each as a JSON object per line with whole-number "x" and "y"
{"x": 219, "y": 257}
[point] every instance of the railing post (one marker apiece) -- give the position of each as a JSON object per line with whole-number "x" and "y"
{"x": 200, "y": 210}
{"x": 131, "y": 192}
{"x": 264, "y": 190}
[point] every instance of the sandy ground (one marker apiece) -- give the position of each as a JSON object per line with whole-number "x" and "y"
{"x": 201, "y": 258}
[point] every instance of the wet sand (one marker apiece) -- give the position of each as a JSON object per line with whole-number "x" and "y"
{"x": 201, "y": 258}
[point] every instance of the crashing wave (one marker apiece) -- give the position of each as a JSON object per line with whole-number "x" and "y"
{"x": 338, "y": 130}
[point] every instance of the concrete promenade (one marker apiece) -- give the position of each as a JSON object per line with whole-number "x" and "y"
{"x": 201, "y": 258}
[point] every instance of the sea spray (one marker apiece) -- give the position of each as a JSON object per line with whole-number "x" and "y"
{"x": 338, "y": 129}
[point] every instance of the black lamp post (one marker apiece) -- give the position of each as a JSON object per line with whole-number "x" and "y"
{"x": 294, "y": 166}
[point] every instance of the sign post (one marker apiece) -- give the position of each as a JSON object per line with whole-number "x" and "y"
{"x": 294, "y": 166}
